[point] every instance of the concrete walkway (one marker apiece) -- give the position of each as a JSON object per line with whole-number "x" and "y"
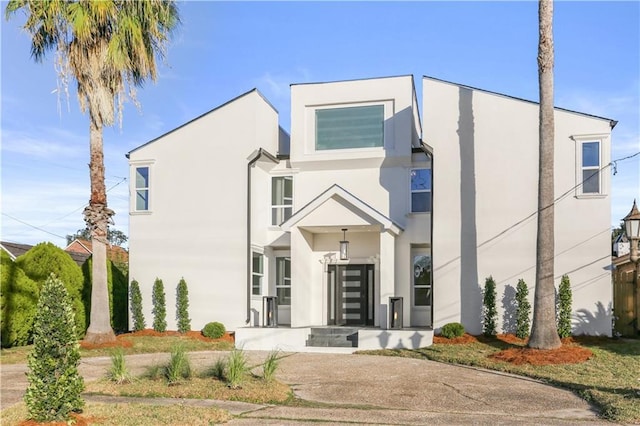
{"x": 364, "y": 389}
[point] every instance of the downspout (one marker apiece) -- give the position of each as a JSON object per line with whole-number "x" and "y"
{"x": 258, "y": 154}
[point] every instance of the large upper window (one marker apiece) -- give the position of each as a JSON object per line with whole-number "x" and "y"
{"x": 142, "y": 188}
{"x": 281, "y": 199}
{"x": 590, "y": 167}
{"x": 421, "y": 280}
{"x": 283, "y": 280}
{"x": 350, "y": 127}
{"x": 420, "y": 190}
{"x": 257, "y": 272}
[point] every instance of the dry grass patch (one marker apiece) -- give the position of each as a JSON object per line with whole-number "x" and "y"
{"x": 128, "y": 414}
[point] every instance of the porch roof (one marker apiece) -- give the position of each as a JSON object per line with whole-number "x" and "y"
{"x": 350, "y": 202}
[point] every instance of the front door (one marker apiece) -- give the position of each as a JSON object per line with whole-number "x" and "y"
{"x": 350, "y": 295}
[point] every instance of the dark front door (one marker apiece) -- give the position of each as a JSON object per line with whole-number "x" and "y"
{"x": 351, "y": 295}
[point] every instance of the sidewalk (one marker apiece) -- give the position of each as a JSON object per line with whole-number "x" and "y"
{"x": 370, "y": 389}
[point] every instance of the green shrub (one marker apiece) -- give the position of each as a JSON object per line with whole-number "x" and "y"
{"x": 237, "y": 369}
{"x": 118, "y": 294}
{"x": 45, "y": 258}
{"x": 136, "y": 307}
{"x": 564, "y": 307}
{"x": 452, "y": 330}
{"x": 213, "y": 330}
{"x": 179, "y": 366}
{"x": 159, "y": 306}
{"x": 118, "y": 373}
{"x": 18, "y": 301}
{"x": 182, "y": 307}
{"x": 490, "y": 313}
{"x": 523, "y": 310}
{"x": 270, "y": 366}
{"x": 55, "y": 384}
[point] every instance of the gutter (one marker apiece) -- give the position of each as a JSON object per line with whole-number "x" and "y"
{"x": 253, "y": 158}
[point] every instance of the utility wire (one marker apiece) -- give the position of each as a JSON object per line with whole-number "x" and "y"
{"x": 32, "y": 226}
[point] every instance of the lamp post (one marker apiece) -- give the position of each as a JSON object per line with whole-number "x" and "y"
{"x": 632, "y": 229}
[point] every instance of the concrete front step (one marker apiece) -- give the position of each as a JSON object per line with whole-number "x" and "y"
{"x": 334, "y": 337}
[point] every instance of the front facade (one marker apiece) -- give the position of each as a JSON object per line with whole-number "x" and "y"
{"x": 261, "y": 236}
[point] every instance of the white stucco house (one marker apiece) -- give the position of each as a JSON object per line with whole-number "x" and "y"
{"x": 430, "y": 207}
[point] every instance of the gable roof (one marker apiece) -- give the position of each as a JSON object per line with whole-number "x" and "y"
{"x": 202, "y": 115}
{"x": 114, "y": 253}
{"x": 612, "y": 122}
{"x": 337, "y": 192}
{"x": 14, "y": 249}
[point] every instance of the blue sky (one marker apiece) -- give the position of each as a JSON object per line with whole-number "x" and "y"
{"x": 225, "y": 49}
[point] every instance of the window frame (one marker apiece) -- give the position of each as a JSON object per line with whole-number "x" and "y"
{"x": 319, "y": 111}
{"x": 257, "y": 274}
{"x": 283, "y": 282}
{"x": 281, "y": 207}
{"x": 421, "y": 191}
{"x": 414, "y": 286}
{"x": 133, "y": 195}
{"x": 581, "y": 168}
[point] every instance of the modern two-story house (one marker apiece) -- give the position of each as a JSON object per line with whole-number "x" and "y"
{"x": 366, "y": 218}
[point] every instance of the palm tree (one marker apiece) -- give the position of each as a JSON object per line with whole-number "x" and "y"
{"x": 544, "y": 334}
{"x": 109, "y": 47}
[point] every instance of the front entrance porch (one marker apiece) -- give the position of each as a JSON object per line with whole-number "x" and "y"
{"x": 295, "y": 339}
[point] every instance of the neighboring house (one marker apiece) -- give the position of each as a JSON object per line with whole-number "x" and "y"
{"x": 621, "y": 245}
{"x": 82, "y": 248}
{"x": 14, "y": 250}
{"x": 429, "y": 210}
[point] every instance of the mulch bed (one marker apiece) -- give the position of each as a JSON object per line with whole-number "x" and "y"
{"x": 122, "y": 340}
{"x": 77, "y": 419}
{"x": 569, "y": 353}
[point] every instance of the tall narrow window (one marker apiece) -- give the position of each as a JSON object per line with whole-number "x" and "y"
{"x": 591, "y": 167}
{"x": 281, "y": 199}
{"x": 350, "y": 127}
{"x": 421, "y": 280}
{"x": 283, "y": 280}
{"x": 420, "y": 190}
{"x": 257, "y": 272}
{"x": 142, "y": 188}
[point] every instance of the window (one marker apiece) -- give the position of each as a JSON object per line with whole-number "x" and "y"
{"x": 420, "y": 190}
{"x": 142, "y": 188}
{"x": 281, "y": 199}
{"x": 283, "y": 280}
{"x": 257, "y": 272}
{"x": 590, "y": 167}
{"x": 350, "y": 127}
{"x": 421, "y": 280}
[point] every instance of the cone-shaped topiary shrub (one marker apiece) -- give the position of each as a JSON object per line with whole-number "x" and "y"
{"x": 136, "y": 307}
{"x": 523, "y": 309}
{"x": 159, "y": 306}
{"x": 19, "y": 298}
{"x": 46, "y": 258}
{"x": 182, "y": 307}
{"x": 490, "y": 313}
{"x": 55, "y": 385}
{"x": 118, "y": 294}
{"x": 564, "y": 307}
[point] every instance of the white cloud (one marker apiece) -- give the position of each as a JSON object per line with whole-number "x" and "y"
{"x": 47, "y": 143}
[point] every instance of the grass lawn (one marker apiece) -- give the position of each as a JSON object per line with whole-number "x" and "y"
{"x": 610, "y": 379}
{"x": 131, "y": 343}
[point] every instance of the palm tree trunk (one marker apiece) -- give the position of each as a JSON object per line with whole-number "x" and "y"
{"x": 544, "y": 334}
{"x": 98, "y": 216}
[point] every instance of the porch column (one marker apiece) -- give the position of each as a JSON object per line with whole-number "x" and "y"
{"x": 304, "y": 289}
{"x": 387, "y": 275}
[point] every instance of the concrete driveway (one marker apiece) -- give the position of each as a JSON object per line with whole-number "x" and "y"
{"x": 365, "y": 389}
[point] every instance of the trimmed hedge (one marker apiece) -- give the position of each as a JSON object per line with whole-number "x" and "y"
{"x": 452, "y": 330}
{"x": 490, "y": 313}
{"x": 118, "y": 294}
{"x": 136, "y": 307}
{"x": 18, "y": 300}
{"x": 45, "y": 259}
{"x": 158, "y": 300}
{"x": 213, "y": 330}
{"x": 182, "y": 307}
{"x": 565, "y": 299}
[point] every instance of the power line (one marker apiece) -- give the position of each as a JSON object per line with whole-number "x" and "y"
{"x": 32, "y": 226}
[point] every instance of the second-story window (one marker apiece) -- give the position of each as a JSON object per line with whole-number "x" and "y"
{"x": 420, "y": 190}
{"x": 350, "y": 127}
{"x": 591, "y": 167}
{"x": 142, "y": 188}
{"x": 281, "y": 199}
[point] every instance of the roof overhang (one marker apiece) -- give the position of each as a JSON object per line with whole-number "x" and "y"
{"x": 336, "y": 208}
